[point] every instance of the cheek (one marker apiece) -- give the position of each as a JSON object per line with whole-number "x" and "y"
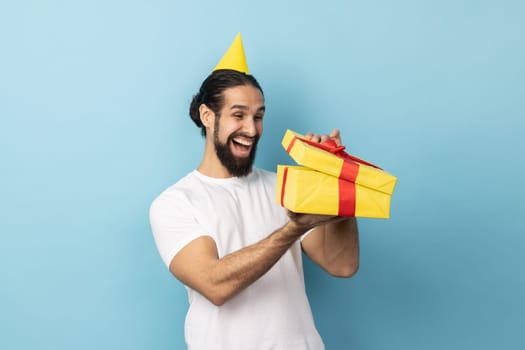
{"x": 225, "y": 131}
{"x": 258, "y": 125}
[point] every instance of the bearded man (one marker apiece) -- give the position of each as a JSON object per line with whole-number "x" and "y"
{"x": 238, "y": 253}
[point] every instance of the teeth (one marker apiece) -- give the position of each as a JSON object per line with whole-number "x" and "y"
{"x": 243, "y": 142}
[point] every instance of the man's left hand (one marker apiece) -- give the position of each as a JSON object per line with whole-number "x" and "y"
{"x": 334, "y": 135}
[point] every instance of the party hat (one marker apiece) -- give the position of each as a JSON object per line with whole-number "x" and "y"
{"x": 234, "y": 58}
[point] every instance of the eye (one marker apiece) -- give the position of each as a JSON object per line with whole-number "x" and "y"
{"x": 238, "y": 115}
{"x": 258, "y": 117}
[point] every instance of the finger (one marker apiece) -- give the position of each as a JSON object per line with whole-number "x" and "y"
{"x": 291, "y": 214}
{"x": 324, "y": 138}
{"x": 316, "y": 138}
{"x": 336, "y": 136}
{"x": 335, "y": 133}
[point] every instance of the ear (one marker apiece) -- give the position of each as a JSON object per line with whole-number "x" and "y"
{"x": 207, "y": 116}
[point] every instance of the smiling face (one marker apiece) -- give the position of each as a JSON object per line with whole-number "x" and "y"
{"x": 238, "y": 128}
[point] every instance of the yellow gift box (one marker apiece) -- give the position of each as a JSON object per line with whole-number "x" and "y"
{"x": 332, "y": 160}
{"x": 303, "y": 190}
{"x": 331, "y": 181}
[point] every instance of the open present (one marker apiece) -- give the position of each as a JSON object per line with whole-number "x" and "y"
{"x": 303, "y": 190}
{"x": 331, "y": 159}
{"x": 331, "y": 181}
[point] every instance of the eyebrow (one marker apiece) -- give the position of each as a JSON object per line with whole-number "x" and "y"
{"x": 245, "y": 108}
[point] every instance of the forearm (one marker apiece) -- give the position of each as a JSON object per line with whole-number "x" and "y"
{"x": 341, "y": 245}
{"x": 335, "y": 247}
{"x": 199, "y": 267}
{"x": 232, "y": 273}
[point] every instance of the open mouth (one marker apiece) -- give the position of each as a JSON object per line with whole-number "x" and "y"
{"x": 242, "y": 145}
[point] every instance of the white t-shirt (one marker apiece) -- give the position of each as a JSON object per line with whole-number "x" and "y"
{"x": 273, "y": 312}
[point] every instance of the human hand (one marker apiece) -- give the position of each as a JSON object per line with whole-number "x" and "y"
{"x": 305, "y": 222}
{"x": 334, "y": 135}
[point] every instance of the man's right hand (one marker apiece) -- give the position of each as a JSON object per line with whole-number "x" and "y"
{"x": 305, "y": 222}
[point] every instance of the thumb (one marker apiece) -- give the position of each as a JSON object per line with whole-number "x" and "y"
{"x": 336, "y": 136}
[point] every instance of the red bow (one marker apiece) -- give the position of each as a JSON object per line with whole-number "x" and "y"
{"x": 332, "y": 147}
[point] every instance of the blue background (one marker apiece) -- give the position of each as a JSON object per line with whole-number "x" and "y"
{"x": 94, "y": 125}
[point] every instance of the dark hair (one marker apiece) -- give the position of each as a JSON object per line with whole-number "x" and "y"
{"x": 211, "y": 92}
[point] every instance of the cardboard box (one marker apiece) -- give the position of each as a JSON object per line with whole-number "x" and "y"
{"x": 331, "y": 159}
{"x": 304, "y": 190}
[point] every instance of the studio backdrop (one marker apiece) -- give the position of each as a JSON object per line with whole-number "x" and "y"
{"x": 94, "y": 125}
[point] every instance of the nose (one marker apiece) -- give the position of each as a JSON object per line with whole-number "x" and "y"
{"x": 249, "y": 127}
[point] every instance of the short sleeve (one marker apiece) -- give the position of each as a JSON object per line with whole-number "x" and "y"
{"x": 173, "y": 224}
{"x": 303, "y": 236}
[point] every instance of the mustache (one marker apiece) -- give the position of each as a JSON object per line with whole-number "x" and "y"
{"x": 241, "y": 134}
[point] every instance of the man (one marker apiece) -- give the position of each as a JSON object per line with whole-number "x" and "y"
{"x": 222, "y": 235}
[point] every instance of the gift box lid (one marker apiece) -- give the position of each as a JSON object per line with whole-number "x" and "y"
{"x": 331, "y": 159}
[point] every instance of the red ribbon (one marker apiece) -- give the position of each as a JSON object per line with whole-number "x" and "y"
{"x": 283, "y": 185}
{"x": 351, "y": 163}
{"x": 332, "y": 147}
{"x": 347, "y": 176}
{"x": 347, "y": 200}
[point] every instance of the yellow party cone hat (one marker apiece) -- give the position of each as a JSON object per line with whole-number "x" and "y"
{"x": 234, "y": 58}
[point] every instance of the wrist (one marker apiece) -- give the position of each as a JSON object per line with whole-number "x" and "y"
{"x": 295, "y": 229}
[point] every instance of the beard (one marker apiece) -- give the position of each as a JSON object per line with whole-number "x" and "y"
{"x": 236, "y": 166}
